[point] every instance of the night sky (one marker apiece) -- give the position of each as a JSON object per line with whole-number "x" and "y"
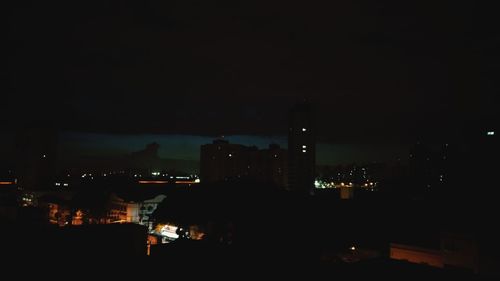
{"x": 121, "y": 74}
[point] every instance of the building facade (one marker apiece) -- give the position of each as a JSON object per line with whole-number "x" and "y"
{"x": 223, "y": 161}
{"x": 301, "y": 149}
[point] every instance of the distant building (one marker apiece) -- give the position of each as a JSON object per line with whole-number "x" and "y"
{"x": 434, "y": 168}
{"x": 58, "y": 206}
{"x": 301, "y": 149}
{"x": 276, "y": 160}
{"x": 268, "y": 165}
{"x": 422, "y": 169}
{"x": 224, "y": 161}
{"x": 446, "y": 169}
{"x": 133, "y": 212}
{"x": 36, "y": 158}
{"x": 103, "y": 208}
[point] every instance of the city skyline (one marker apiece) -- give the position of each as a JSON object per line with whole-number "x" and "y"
{"x": 74, "y": 145}
{"x": 333, "y": 138}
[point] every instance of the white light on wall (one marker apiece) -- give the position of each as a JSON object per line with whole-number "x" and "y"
{"x": 230, "y": 155}
{"x": 304, "y": 146}
{"x": 170, "y": 231}
{"x": 491, "y": 133}
{"x": 304, "y": 129}
{"x": 304, "y": 151}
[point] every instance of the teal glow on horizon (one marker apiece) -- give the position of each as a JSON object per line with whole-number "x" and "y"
{"x": 187, "y": 147}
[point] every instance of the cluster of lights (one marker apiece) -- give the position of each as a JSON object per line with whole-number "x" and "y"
{"x": 27, "y": 200}
{"x": 325, "y": 184}
{"x": 87, "y": 175}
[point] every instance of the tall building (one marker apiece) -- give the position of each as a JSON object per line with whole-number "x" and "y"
{"x": 269, "y": 165}
{"x": 422, "y": 168}
{"x": 35, "y": 155}
{"x": 301, "y": 149}
{"x": 224, "y": 161}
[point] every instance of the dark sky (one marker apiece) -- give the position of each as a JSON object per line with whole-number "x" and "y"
{"x": 380, "y": 72}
